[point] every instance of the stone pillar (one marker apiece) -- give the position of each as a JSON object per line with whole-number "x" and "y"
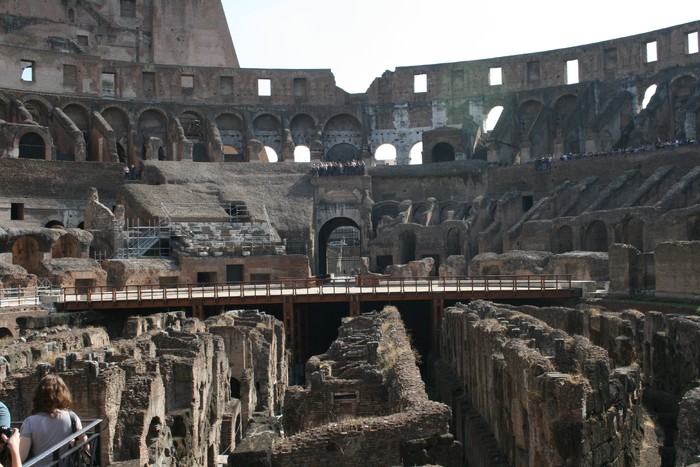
{"x": 624, "y": 269}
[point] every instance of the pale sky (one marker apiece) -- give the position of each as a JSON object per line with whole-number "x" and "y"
{"x": 360, "y": 39}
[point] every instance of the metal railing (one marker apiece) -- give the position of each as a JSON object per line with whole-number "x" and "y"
{"x": 62, "y": 453}
{"x": 27, "y": 296}
{"x": 363, "y": 284}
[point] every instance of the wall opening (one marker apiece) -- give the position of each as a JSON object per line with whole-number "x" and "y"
{"x": 109, "y": 84}
{"x": 302, "y": 154}
{"x": 648, "y": 94}
{"x": 563, "y": 240}
{"x": 206, "y": 277}
{"x": 492, "y": 118}
{"x": 17, "y": 211}
{"x": 415, "y": 156}
{"x": 385, "y": 154}
{"x": 339, "y": 247}
{"x": 264, "y": 87}
{"x": 651, "y": 55}
{"x": 270, "y": 154}
{"x": 343, "y": 152}
{"x": 407, "y": 246}
{"x": 495, "y": 76}
{"x": 443, "y": 152}
{"x": 596, "y": 237}
{"x": 31, "y": 146}
{"x": 187, "y": 84}
{"x": 572, "y": 76}
{"x": 692, "y": 43}
{"x": 27, "y": 67}
{"x": 420, "y": 83}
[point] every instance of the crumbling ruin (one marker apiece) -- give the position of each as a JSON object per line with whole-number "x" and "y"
{"x": 130, "y": 159}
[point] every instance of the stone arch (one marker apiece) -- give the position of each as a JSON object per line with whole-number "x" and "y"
{"x": 453, "y": 242}
{"x": 152, "y": 124}
{"x": 605, "y": 141}
{"x": 66, "y": 246}
{"x": 693, "y": 228}
{"x": 303, "y": 129}
{"x": 79, "y": 115}
{"x": 39, "y": 110}
{"x": 268, "y": 130}
{"x": 407, "y": 246}
{"x": 527, "y": 115}
{"x": 595, "y": 236}
{"x": 342, "y": 129}
{"x": 492, "y": 117}
{"x": 572, "y": 145}
{"x": 231, "y": 130}
{"x": 648, "y": 95}
{"x": 443, "y": 152}
{"x": 452, "y": 211}
{"x": 5, "y": 332}
{"x": 563, "y": 107}
{"x": 325, "y": 237}
{"x": 100, "y": 248}
{"x": 118, "y": 121}
{"x": 342, "y": 152}
{"x": 563, "y": 239}
{"x": 386, "y": 153}
{"x": 384, "y": 208}
{"x": 26, "y": 252}
{"x": 54, "y": 224}
{"x": 193, "y": 126}
{"x": 32, "y": 146}
{"x": 302, "y": 153}
{"x": 270, "y": 155}
{"x": 415, "y": 155}
{"x": 631, "y": 232}
{"x": 682, "y": 90}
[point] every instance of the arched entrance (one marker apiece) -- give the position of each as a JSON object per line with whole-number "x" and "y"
{"x": 66, "y": 247}
{"x": 596, "y": 237}
{"x": 342, "y": 153}
{"x": 193, "y": 127}
{"x": 443, "y": 152}
{"x": 407, "y": 246}
{"x": 26, "y": 253}
{"x": 339, "y": 247}
{"x": 31, "y": 146}
{"x": 563, "y": 240}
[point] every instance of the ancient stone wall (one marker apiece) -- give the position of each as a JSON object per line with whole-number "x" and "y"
{"x": 677, "y": 267}
{"x": 377, "y": 401}
{"x": 162, "y": 385}
{"x": 546, "y": 397}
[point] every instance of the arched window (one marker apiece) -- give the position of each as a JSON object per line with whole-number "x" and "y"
{"x": 416, "y": 154}
{"x": 302, "y": 154}
{"x": 386, "y": 154}
{"x": 492, "y": 118}
{"x": 271, "y": 154}
{"x": 443, "y": 152}
{"x": 648, "y": 94}
{"x": 31, "y": 146}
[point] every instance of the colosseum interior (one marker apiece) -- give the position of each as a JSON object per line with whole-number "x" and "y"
{"x": 139, "y": 167}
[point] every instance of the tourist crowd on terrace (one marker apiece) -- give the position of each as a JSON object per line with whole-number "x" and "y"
{"x": 331, "y": 169}
{"x": 545, "y": 162}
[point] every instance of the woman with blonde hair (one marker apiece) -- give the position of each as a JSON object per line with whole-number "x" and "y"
{"x": 52, "y": 420}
